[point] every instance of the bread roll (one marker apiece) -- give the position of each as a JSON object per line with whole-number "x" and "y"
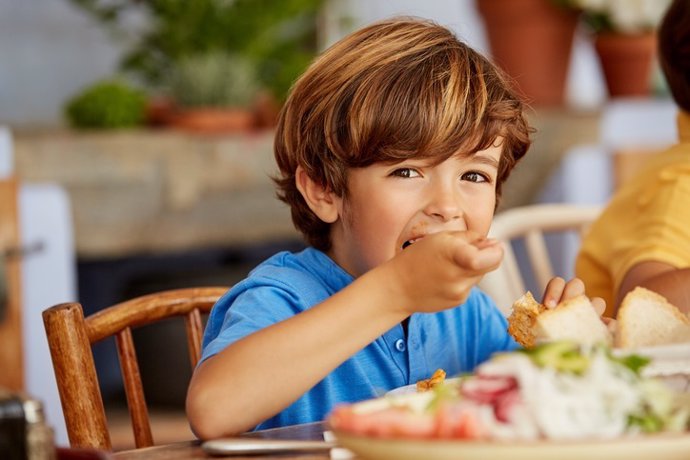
{"x": 646, "y": 318}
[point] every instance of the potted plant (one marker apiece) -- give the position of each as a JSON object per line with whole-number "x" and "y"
{"x": 532, "y": 41}
{"x": 625, "y": 41}
{"x": 107, "y": 104}
{"x": 279, "y": 36}
{"x": 213, "y": 93}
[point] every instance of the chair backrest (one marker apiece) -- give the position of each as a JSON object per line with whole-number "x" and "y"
{"x": 70, "y": 336}
{"x": 531, "y": 223}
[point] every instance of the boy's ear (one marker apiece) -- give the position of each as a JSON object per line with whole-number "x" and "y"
{"x": 321, "y": 200}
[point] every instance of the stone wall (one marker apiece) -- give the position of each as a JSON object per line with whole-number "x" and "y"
{"x": 138, "y": 192}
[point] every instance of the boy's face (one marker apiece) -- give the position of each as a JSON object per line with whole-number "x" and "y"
{"x": 390, "y": 206}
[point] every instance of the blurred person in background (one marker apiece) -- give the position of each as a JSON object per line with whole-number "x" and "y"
{"x": 642, "y": 237}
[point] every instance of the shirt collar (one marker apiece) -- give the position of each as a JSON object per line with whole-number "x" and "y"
{"x": 327, "y": 269}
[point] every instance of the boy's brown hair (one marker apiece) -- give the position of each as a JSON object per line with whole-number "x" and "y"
{"x": 397, "y": 89}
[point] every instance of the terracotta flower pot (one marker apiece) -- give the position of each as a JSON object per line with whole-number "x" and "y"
{"x": 532, "y": 41}
{"x": 211, "y": 120}
{"x": 627, "y": 62}
{"x": 160, "y": 110}
{"x": 267, "y": 110}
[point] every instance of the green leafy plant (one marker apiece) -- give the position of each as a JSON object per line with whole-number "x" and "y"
{"x": 279, "y": 36}
{"x": 107, "y": 104}
{"x": 214, "y": 79}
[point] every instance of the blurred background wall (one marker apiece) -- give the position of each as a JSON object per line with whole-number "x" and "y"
{"x": 49, "y": 50}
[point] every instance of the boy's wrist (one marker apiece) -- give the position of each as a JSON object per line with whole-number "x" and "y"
{"x": 394, "y": 290}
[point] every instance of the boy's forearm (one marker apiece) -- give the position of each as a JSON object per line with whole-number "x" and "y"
{"x": 265, "y": 372}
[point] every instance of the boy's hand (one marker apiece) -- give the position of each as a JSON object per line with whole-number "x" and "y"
{"x": 557, "y": 290}
{"x": 439, "y": 271}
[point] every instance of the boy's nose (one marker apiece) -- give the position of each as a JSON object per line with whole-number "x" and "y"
{"x": 444, "y": 205}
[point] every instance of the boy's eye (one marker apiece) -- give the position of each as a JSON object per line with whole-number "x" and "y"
{"x": 475, "y": 177}
{"x": 405, "y": 172}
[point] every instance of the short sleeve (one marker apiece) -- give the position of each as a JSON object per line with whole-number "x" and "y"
{"x": 660, "y": 225}
{"x": 245, "y": 312}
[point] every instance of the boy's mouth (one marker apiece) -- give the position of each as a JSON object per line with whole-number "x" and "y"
{"x": 410, "y": 242}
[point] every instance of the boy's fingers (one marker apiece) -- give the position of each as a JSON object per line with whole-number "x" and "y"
{"x": 480, "y": 260}
{"x": 553, "y": 291}
{"x": 573, "y": 288}
{"x": 558, "y": 290}
{"x": 490, "y": 257}
{"x": 611, "y": 324}
{"x": 482, "y": 243}
{"x": 489, "y": 254}
{"x": 599, "y": 305}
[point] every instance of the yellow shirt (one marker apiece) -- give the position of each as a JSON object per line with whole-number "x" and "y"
{"x": 648, "y": 219}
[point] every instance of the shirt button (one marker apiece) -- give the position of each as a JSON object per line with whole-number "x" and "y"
{"x": 400, "y": 345}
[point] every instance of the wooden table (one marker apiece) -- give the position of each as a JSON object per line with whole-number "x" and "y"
{"x": 192, "y": 449}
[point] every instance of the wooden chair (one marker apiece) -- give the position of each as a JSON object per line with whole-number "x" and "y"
{"x": 531, "y": 223}
{"x": 70, "y": 336}
{"x": 11, "y": 357}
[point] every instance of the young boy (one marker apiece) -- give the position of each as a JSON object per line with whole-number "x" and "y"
{"x": 643, "y": 236}
{"x": 392, "y": 149}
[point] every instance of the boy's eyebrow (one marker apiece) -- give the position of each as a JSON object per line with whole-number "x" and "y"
{"x": 486, "y": 159}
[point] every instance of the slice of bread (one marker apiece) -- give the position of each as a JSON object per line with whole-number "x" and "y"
{"x": 574, "y": 319}
{"x": 646, "y": 318}
{"x": 522, "y": 319}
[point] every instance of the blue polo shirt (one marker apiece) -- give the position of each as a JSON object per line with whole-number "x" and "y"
{"x": 456, "y": 340}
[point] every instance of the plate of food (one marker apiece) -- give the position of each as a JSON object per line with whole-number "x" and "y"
{"x": 667, "y": 447}
{"x": 555, "y": 400}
